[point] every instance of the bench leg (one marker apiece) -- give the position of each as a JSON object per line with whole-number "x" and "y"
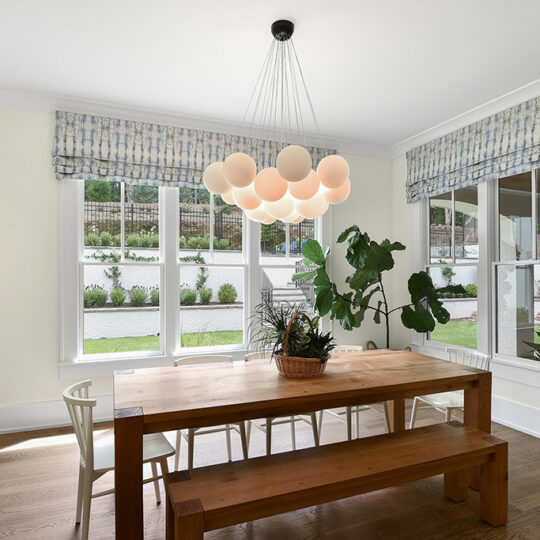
{"x": 494, "y": 488}
{"x": 455, "y": 485}
{"x": 185, "y": 521}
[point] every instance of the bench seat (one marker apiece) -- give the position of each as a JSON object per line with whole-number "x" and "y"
{"x": 217, "y": 496}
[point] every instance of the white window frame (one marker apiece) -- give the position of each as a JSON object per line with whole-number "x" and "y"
{"x": 72, "y": 362}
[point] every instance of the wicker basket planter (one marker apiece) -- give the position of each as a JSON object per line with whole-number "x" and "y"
{"x": 296, "y": 367}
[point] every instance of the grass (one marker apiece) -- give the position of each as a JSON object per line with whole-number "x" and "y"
{"x": 151, "y": 343}
{"x": 461, "y": 333}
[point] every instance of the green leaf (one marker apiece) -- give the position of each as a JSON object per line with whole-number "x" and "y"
{"x": 304, "y": 276}
{"x": 394, "y": 246}
{"x": 358, "y": 250}
{"x": 322, "y": 279}
{"x": 323, "y": 302}
{"x": 312, "y": 250}
{"x": 380, "y": 258}
{"x": 421, "y": 286}
{"x": 362, "y": 278}
{"x": 418, "y": 319}
{"x": 343, "y": 236}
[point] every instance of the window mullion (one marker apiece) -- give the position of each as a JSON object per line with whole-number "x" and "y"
{"x": 453, "y": 235}
{"x": 122, "y": 221}
{"x": 534, "y": 215}
{"x": 486, "y": 255}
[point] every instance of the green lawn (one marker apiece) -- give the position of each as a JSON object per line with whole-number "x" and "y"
{"x": 461, "y": 333}
{"x": 151, "y": 343}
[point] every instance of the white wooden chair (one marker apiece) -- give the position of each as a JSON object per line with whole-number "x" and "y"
{"x": 97, "y": 459}
{"x": 448, "y": 402}
{"x": 346, "y": 414}
{"x": 266, "y": 428}
{"x": 239, "y": 427}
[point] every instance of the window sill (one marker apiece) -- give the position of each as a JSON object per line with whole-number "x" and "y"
{"x": 104, "y": 366}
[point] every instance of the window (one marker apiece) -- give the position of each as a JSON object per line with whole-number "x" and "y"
{"x": 499, "y": 269}
{"x": 154, "y": 271}
{"x": 517, "y": 271}
{"x": 452, "y": 261}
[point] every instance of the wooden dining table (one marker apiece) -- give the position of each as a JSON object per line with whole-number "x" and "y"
{"x": 171, "y": 398}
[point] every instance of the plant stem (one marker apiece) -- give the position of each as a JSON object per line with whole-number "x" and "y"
{"x": 386, "y": 314}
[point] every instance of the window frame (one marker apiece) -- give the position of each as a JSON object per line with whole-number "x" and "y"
{"x": 71, "y": 260}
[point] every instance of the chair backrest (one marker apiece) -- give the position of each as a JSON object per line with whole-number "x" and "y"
{"x": 80, "y": 407}
{"x": 469, "y": 358}
{"x": 348, "y": 348}
{"x": 258, "y": 355}
{"x": 203, "y": 359}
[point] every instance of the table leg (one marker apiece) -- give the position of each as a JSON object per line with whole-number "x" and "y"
{"x": 128, "y": 474}
{"x": 477, "y": 413}
{"x": 396, "y": 410}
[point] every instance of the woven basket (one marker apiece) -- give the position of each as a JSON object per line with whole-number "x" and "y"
{"x": 296, "y": 367}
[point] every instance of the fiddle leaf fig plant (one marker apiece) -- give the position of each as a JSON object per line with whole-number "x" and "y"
{"x": 369, "y": 260}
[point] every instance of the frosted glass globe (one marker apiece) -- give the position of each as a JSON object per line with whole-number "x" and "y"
{"x": 306, "y": 188}
{"x": 246, "y": 198}
{"x": 298, "y": 219}
{"x": 294, "y": 163}
{"x": 333, "y": 171}
{"x": 227, "y": 197}
{"x": 292, "y": 217}
{"x": 215, "y": 180}
{"x": 259, "y": 214}
{"x": 314, "y": 207}
{"x": 270, "y": 185}
{"x": 339, "y": 194}
{"x": 239, "y": 169}
{"x": 269, "y": 220}
{"x": 282, "y": 208}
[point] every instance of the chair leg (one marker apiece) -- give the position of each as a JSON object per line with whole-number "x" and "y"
{"x": 293, "y": 433}
{"x": 80, "y": 494}
{"x": 448, "y": 415}
{"x": 413, "y": 413}
{"x": 349, "y": 423}
{"x": 243, "y": 439}
{"x": 228, "y": 436}
{"x": 357, "y": 422}
{"x": 191, "y": 445}
{"x": 268, "y": 436}
{"x": 177, "y": 446}
{"x": 321, "y": 415}
{"x": 314, "y": 428}
{"x": 87, "y": 500}
{"x": 386, "y": 416}
{"x": 156, "y": 482}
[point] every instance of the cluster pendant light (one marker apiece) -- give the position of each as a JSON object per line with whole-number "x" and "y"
{"x": 292, "y": 190}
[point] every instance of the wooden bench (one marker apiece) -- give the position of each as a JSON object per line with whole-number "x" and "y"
{"x": 212, "y": 497}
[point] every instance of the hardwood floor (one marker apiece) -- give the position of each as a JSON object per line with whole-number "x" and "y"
{"x": 38, "y": 481}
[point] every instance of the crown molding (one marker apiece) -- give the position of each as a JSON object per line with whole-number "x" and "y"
{"x": 43, "y": 102}
{"x": 493, "y": 106}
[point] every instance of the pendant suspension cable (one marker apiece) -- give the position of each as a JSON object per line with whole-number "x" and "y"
{"x": 287, "y": 93}
{"x": 296, "y": 97}
{"x": 319, "y": 135}
{"x": 266, "y": 101}
{"x": 264, "y": 78}
{"x": 263, "y": 67}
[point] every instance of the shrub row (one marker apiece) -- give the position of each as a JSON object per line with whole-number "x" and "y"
{"x": 96, "y": 296}
{"x": 471, "y": 288}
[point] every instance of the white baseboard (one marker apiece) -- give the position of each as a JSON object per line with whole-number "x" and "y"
{"x": 47, "y": 414}
{"x": 506, "y": 412}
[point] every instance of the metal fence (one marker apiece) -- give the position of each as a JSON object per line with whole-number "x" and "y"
{"x": 274, "y": 237}
{"x": 441, "y": 239}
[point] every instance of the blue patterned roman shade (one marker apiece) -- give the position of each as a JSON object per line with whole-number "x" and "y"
{"x": 98, "y": 148}
{"x": 501, "y": 145}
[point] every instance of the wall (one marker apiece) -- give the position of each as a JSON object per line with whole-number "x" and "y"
{"x": 29, "y": 320}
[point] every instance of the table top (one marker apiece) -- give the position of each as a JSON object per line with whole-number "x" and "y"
{"x": 199, "y": 395}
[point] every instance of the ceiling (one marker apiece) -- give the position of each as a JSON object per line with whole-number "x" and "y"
{"x": 378, "y": 72}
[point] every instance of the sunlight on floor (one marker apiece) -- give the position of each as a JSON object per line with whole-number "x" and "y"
{"x": 43, "y": 442}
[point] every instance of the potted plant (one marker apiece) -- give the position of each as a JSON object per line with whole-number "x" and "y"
{"x": 369, "y": 260}
{"x": 295, "y": 340}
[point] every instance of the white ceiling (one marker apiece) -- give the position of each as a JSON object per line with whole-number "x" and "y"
{"x": 378, "y": 71}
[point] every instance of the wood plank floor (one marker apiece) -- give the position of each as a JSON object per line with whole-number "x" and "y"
{"x": 38, "y": 479}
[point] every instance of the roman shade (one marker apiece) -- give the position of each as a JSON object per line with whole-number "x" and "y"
{"x": 91, "y": 147}
{"x": 503, "y": 144}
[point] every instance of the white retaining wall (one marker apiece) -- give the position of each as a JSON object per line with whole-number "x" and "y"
{"x": 131, "y": 322}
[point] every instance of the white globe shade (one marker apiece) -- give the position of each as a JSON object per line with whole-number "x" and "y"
{"x": 246, "y": 198}
{"x": 215, "y": 180}
{"x": 239, "y": 169}
{"x": 298, "y": 219}
{"x": 294, "y": 163}
{"x": 292, "y": 217}
{"x": 339, "y": 194}
{"x": 270, "y": 185}
{"x": 227, "y": 197}
{"x": 282, "y": 208}
{"x": 269, "y": 220}
{"x": 333, "y": 171}
{"x": 306, "y": 188}
{"x": 259, "y": 214}
{"x": 314, "y": 207}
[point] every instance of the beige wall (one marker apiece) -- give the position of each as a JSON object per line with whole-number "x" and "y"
{"x": 29, "y": 277}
